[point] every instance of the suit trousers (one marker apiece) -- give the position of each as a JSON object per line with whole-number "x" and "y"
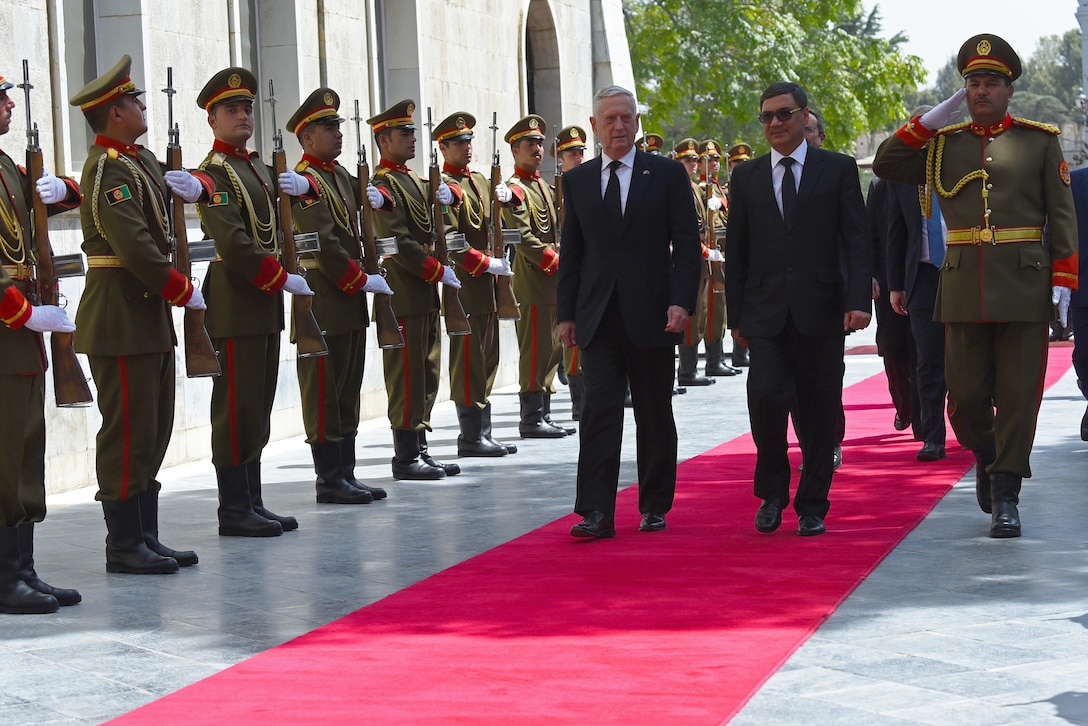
{"x": 330, "y": 386}
{"x": 995, "y": 375}
{"x": 136, "y": 400}
{"x": 539, "y": 350}
{"x": 786, "y": 367}
{"x": 929, "y": 346}
{"x": 608, "y": 363}
{"x": 895, "y": 345}
{"x": 22, "y": 449}
{"x": 412, "y": 373}
{"x": 1079, "y": 320}
{"x": 242, "y": 397}
{"x": 474, "y": 361}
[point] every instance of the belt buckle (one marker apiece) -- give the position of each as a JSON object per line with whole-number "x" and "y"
{"x": 986, "y": 235}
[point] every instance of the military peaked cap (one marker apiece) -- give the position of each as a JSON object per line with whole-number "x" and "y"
{"x": 530, "y": 127}
{"x": 321, "y": 105}
{"x": 108, "y": 86}
{"x": 988, "y": 53}
{"x": 229, "y": 84}
{"x": 456, "y": 126}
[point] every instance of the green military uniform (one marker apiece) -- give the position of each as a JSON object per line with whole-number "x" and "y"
{"x": 651, "y": 144}
{"x": 688, "y": 353}
{"x": 715, "y": 324}
{"x": 738, "y": 154}
{"x": 997, "y": 185}
{"x": 567, "y": 139}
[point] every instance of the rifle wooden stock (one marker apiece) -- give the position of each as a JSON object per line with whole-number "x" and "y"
{"x": 308, "y": 339}
{"x": 389, "y": 333}
{"x": 506, "y": 302}
{"x": 201, "y": 359}
{"x": 452, "y": 312}
{"x": 717, "y": 269}
{"x": 69, "y": 384}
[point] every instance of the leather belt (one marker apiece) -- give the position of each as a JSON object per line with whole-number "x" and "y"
{"x": 308, "y": 264}
{"x": 104, "y": 262}
{"x": 20, "y": 272}
{"x": 993, "y": 236}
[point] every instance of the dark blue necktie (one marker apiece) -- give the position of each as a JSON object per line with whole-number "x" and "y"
{"x": 789, "y": 189}
{"x": 612, "y": 193}
{"x": 936, "y": 236}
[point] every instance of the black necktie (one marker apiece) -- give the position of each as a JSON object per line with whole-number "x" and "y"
{"x": 789, "y": 189}
{"x": 612, "y": 194}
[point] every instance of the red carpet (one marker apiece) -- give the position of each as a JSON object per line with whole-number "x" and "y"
{"x": 682, "y": 625}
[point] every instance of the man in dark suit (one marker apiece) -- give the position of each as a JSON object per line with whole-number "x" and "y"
{"x": 798, "y": 266}
{"x": 1078, "y": 305}
{"x": 628, "y": 283}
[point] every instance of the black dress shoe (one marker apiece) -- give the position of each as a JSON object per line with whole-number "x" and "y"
{"x": 1084, "y": 426}
{"x": 836, "y": 461}
{"x": 1005, "y": 522}
{"x": 769, "y": 516}
{"x": 652, "y": 522}
{"x": 931, "y": 452}
{"x": 810, "y": 525}
{"x": 694, "y": 379}
{"x": 595, "y": 524}
{"x": 901, "y": 423}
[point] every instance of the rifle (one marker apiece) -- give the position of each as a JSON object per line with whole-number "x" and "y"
{"x": 200, "y": 354}
{"x": 507, "y": 304}
{"x": 389, "y": 335}
{"x": 717, "y": 269}
{"x": 454, "y": 314}
{"x": 69, "y": 384}
{"x": 308, "y": 338}
{"x": 560, "y": 212}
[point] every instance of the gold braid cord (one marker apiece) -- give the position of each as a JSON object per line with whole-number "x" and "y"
{"x": 138, "y": 180}
{"x": 13, "y": 250}
{"x": 1049, "y": 128}
{"x": 336, "y": 205}
{"x": 270, "y": 241}
{"x": 419, "y": 212}
{"x": 934, "y": 159}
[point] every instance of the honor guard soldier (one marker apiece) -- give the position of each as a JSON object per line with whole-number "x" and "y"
{"x": 236, "y": 195}
{"x": 687, "y": 374}
{"x": 474, "y": 358}
{"x": 570, "y": 150}
{"x": 411, "y": 373}
{"x": 330, "y": 384}
{"x": 738, "y": 154}
{"x": 998, "y": 181}
{"x": 652, "y": 144}
{"x": 125, "y": 324}
{"x": 715, "y": 199}
{"x": 22, "y": 379}
{"x": 535, "y": 265}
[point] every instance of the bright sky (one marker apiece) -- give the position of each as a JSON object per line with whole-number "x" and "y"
{"x": 937, "y": 28}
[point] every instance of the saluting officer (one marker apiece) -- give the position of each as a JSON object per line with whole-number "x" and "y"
{"x": 330, "y": 384}
{"x": 570, "y": 150}
{"x": 474, "y": 358}
{"x": 738, "y": 154}
{"x": 687, "y": 373}
{"x": 124, "y": 321}
{"x": 412, "y": 372}
{"x": 998, "y": 181}
{"x": 715, "y": 198}
{"x": 22, "y": 379}
{"x": 237, "y": 194}
{"x": 535, "y": 265}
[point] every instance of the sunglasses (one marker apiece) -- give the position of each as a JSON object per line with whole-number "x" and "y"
{"x": 782, "y": 114}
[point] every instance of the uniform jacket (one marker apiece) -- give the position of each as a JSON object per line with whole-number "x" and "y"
{"x": 471, "y": 216}
{"x": 536, "y": 259}
{"x": 902, "y": 227}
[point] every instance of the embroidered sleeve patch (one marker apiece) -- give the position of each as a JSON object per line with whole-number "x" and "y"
{"x": 218, "y": 199}
{"x": 118, "y": 194}
{"x": 1063, "y": 172}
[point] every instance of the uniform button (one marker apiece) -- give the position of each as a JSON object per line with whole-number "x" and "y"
{"x": 989, "y": 186}
{"x": 146, "y": 295}
{"x": 989, "y": 158}
{"x": 989, "y": 211}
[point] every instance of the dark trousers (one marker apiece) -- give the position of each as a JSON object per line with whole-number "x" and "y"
{"x": 929, "y": 347}
{"x": 242, "y": 398}
{"x": 22, "y": 449}
{"x": 608, "y": 363}
{"x": 330, "y": 386}
{"x": 1079, "y": 321}
{"x": 412, "y": 373}
{"x": 896, "y": 348}
{"x": 809, "y": 369}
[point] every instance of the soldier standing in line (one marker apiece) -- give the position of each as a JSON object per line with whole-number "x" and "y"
{"x": 330, "y": 384}
{"x": 687, "y": 374}
{"x": 412, "y": 373}
{"x": 474, "y": 358}
{"x": 738, "y": 154}
{"x": 22, "y": 380}
{"x": 714, "y": 198}
{"x": 236, "y": 195}
{"x": 999, "y": 180}
{"x": 570, "y": 151}
{"x": 535, "y": 265}
{"x": 124, "y": 321}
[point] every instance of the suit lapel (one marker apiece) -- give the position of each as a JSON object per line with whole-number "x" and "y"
{"x": 765, "y": 181}
{"x": 810, "y": 177}
{"x": 640, "y": 182}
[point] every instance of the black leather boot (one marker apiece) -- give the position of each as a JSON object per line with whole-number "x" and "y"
{"x": 64, "y": 596}
{"x": 236, "y": 515}
{"x": 1005, "y": 521}
{"x": 347, "y": 458}
{"x": 126, "y": 550}
{"x": 256, "y": 498}
{"x": 715, "y": 365}
{"x": 471, "y": 441}
{"x": 406, "y": 463}
{"x": 982, "y": 479}
{"x": 568, "y": 430}
{"x": 330, "y": 484}
{"x": 486, "y": 430}
{"x": 426, "y": 458}
{"x": 16, "y": 596}
{"x": 577, "y": 386}
{"x": 533, "y": 425}
{"x": 740, "y": 355}
{"x": 149, "y": 520}
{"x": 688, "y": 372}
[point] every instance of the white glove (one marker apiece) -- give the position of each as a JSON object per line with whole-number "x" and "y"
{"x": 1058, "y": 292}
{"x": 499, "y": 266}
{"x": 184, "y": 185}
{"x": 716, "y": 255}
{"x": 503, "y": 193}
{"x": 715, "y": 203}
{"x": 942, "y": 114}
{"x": 293, "y": 183}
{"x": 49, "y": 319}
{"x": 449, "y": 277}
{"x": 196, "y": 302}
{"x": 377, "y": 284}
{"x": 443, "y": 195}
{"x": 296, "y": 285}
{"x": 374, "y": 197}
{"x": 50, "y": 188}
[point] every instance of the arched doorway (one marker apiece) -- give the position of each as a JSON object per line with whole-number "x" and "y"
{"x": 542, "y": 82}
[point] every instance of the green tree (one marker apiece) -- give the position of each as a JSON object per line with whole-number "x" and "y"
{"x": 701, "y": 65}
{"x": 1054, "y": 69}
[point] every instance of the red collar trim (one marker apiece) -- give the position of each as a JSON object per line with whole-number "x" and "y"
{"x": 386, "y": 164}
{"x": 229, "y": 150}
{"x": 455, "y": 170}
{"x": 108, "y": 143}
{"x": 1002, "y": 125}
{"x": 526, "y": 175}
{"x": 321, "y": 164}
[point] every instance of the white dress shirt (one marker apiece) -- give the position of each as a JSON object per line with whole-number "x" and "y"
{"x": 778, "y": 171}
{"x": 623, "y": 173}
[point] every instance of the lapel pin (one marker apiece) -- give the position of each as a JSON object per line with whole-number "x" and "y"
{"x": 646, "y": 172}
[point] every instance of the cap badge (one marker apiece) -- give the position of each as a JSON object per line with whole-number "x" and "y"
{"x": 328, "y": 99}
{"x": 533, "y": 124}
{"x": 411, "y": 108}
{"x": 460, "y": 122}
{"x": 574, "y": 133}
{"x": 234, "y": 81}
{"x": 691, "y": 144}
{"x": 983, "y": 47}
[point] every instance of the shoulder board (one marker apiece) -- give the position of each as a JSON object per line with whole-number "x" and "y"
{"x": 302, "y": 166}
{"x": 218, "y": 158}
{"x": 514, "y": 179}
{"x": 382, "y": 171}
{"x": 954, "y": 128}
{"x": 112, "y": 153}
{"x": 20, "y": 167}
{"x": 1048, "y": 128}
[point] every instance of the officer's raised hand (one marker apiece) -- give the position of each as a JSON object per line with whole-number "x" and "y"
{"x": 944, "y": 112}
